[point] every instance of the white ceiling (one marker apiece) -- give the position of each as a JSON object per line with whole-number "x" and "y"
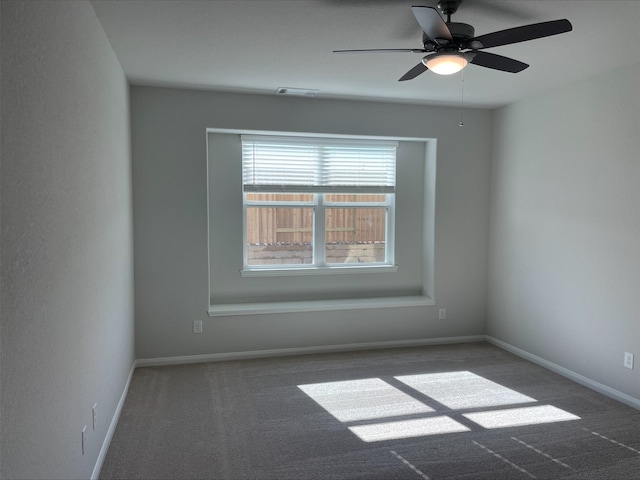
{"x": 257, "y": 46}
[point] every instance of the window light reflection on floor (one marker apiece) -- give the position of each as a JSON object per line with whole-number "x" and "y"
{"x": 365, "y": 399}
{"x": 375, "y": 400}
{"x": 517, "y": 417}
{"x": 407, "y": 429}
{"x": 459, "y": 390}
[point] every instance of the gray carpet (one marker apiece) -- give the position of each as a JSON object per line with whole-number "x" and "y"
{"x": 459, "y": 412}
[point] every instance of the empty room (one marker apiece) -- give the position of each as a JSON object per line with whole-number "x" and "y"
{"x": 320, "y": 239}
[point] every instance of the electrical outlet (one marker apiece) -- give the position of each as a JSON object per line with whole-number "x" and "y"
{"x": 442, "y": 313}
{"x": 84, "y": 438}
{"x": 628, "y": 360}
{"x": 197, "y": 326}
{"x": 94, "y": 415}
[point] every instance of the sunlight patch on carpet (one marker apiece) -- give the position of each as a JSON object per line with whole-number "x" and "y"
{"x": 407, "y": 429}
{"x": 517, "y": 417}
{"x": 459, "y": 390}
{"x": 366, "y": 399}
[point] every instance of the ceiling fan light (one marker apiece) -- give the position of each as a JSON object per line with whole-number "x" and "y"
{"x": 445, "y": 63}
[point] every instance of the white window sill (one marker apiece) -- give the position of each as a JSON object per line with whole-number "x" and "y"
{"x": 295, "y": 271}
{"x": 225, "y": 310}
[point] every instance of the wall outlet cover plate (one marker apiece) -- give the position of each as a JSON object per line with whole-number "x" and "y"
{"x": 628, "y": 360}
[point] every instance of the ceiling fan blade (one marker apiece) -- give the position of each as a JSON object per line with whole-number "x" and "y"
{"x": 414, "y": 72}
{"x": 498, "y": 62}
{"x": 522, "y": 34}
{"x": 383, "y": 50}
{"x": 432, "y": 23}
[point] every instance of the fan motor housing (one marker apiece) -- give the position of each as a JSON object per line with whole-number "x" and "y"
{"x": 461, "y": 33}
{"x": 462, "y": 30}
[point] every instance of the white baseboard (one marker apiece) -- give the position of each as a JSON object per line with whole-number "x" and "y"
{"x": 282, "y": 352}
{"x": 565, "y": 372}
{"x": 112, "y": 426}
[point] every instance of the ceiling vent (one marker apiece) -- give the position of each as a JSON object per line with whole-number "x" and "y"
{"x": 298, "y": 92}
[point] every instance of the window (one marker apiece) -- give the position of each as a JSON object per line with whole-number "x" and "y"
{"x": 317, "y": 203}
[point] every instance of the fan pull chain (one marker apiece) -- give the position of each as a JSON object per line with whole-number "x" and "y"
{"x": 461, "y": 124}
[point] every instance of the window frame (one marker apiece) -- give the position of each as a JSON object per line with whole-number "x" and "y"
{"x": 319, "y": 204}
{"x": 319, "y": 263}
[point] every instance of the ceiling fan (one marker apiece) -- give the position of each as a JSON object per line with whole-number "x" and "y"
{"x": 452, "y": 45}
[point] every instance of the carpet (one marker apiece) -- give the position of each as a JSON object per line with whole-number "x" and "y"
{"x": 469, "y": 411}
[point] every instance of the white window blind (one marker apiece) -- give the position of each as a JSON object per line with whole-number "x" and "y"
{"x": 297, "y": 164}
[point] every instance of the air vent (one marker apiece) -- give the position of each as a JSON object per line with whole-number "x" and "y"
{"x": 298, "y": 92}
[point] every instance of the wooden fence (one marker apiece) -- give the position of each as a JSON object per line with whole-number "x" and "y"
{"x": 294, "y": 225}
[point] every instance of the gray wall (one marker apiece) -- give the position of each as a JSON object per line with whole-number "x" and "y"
{"x": 564, "y": 280}
{"x": 67, "y": 241}
{"x": 170, "y": 211}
